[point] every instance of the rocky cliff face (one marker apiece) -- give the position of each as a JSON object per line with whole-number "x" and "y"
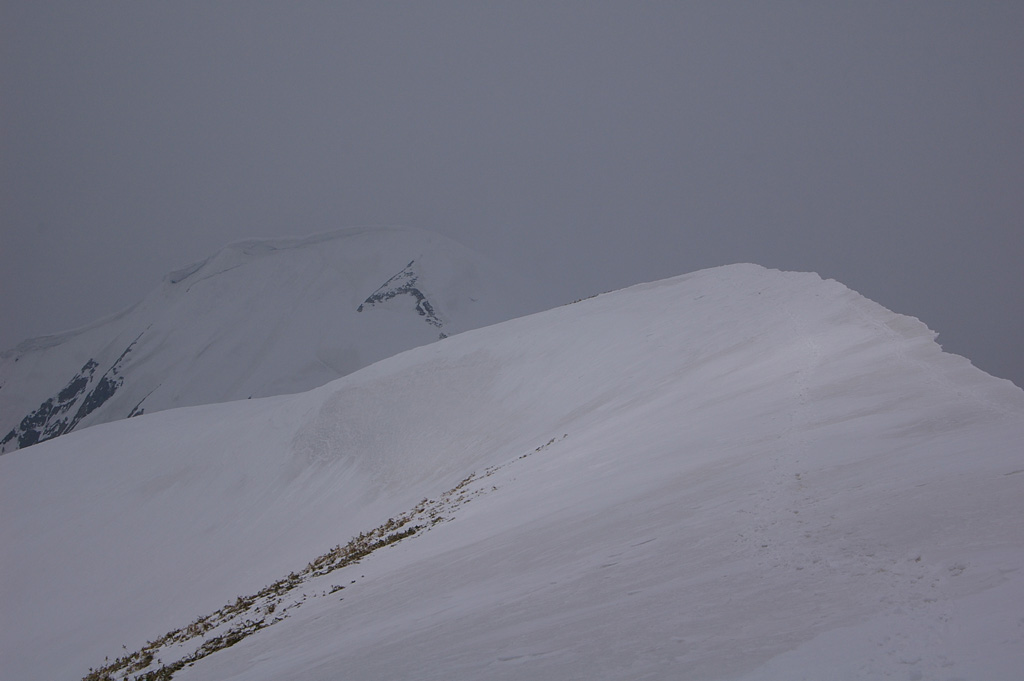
{"x": 404, "y": 284}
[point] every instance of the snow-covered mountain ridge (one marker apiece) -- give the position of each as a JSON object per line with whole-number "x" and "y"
{"x": 260, "y": 317}
{"x": 738, "y": 473}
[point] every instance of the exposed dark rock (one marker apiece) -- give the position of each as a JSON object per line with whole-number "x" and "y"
{"x": 49, "y": 420}
{"x": 404, "y": 283}
{"x": 105, "y": 388}
{"x": 137, "y": 410}
{"x": 77, "y": 385}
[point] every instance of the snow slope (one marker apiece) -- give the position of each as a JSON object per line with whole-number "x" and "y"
{"x": 259, "y": 318}
{"x": 734, "y": 474}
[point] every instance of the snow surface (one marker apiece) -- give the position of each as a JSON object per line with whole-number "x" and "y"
{"x": 734, "y": 474}
{"x": 259, "y": 318}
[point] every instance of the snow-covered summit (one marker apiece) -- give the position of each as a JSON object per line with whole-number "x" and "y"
{"x": 258, "y": 318}
{"x": 734, "y": 474}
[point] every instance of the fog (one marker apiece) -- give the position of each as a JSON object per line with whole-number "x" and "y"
{"x": 592, "y": 144}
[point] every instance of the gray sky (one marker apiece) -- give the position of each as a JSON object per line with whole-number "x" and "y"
{"x": 600, "y": 144}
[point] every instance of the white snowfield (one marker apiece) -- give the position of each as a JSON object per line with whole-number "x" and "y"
{"x": 734, "y": 474}
{"x": 259, "y": 318}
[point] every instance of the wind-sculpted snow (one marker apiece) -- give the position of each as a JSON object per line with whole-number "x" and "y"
{"x": 259, "y": 318}
{"x": 735, "y": 474}
{"x": 274, "y": 603}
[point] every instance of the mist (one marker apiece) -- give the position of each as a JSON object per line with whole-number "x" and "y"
{"x": 593, "y": 144}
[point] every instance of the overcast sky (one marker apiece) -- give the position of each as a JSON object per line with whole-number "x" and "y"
{"x": 600, "y": 144}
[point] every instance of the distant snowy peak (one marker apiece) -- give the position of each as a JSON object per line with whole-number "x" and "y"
{"x": 258, "y": 318}
{"x": 404, "y": 284}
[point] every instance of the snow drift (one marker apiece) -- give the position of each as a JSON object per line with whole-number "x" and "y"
{"x": 259, "y": 318}
{"x": 738, "y": 473}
